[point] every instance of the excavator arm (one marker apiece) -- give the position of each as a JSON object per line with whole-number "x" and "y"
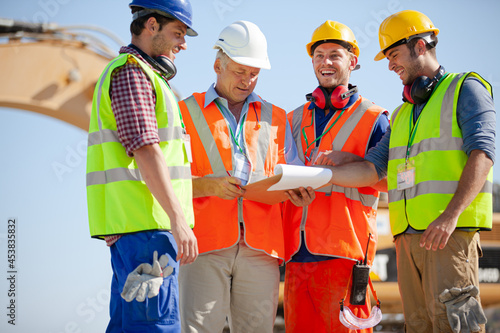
{"x": 50, "y": 70}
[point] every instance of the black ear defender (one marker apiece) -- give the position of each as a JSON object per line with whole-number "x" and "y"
{"x": 336, "y": 100}
{"x": 421, "y": 89}
{"x": 161, "y": 63}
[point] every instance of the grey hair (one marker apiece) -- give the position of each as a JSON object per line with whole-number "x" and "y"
{"x": 224, "y": 58}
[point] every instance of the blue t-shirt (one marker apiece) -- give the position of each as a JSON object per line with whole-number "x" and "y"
{"x": 303, "y": 255}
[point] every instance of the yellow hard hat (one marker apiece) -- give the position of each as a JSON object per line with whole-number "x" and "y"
{"x": 400, "y": 26}
{"x": 331, "y": 30}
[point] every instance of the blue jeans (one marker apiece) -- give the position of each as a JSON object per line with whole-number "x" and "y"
{"x": 157, "y": 314}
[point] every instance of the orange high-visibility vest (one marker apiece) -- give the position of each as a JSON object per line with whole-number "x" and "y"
{"x": 337, "y": 223}
{"x": 218, "y": 220}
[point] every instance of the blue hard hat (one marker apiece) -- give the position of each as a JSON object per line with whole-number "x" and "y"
{"x": 177, "y": 9}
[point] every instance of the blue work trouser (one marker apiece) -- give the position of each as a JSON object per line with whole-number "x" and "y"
{"x": 156, "y": 314}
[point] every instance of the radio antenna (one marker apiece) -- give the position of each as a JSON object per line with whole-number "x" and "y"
{"x": 367, "y": 245}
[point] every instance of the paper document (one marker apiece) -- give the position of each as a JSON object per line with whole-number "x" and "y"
{"x": 295, "y": 176}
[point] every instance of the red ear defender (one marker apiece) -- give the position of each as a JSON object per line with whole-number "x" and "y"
{"x": 338, "y": 98}
{"x": 320, "y": 95}
{"x": 421, "y": 89}
{"x": 407, "y": 94}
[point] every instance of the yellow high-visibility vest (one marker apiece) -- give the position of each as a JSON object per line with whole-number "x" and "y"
{"x": 118, "y": 199}
{"x": 438, "y": 159}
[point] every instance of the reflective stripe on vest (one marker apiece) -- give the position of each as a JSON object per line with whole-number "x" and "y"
{"x": 108, "y": 135}
{"x": 340, "y": 219}
{"x": 113, "y": 178}
{"x": 439, "y": 162}
{"x": 218, "y": 220}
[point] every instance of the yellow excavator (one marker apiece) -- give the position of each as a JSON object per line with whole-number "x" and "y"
{"x": 53, "y": 70}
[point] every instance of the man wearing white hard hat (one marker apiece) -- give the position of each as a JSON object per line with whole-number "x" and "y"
{"x": 236, "y": 138}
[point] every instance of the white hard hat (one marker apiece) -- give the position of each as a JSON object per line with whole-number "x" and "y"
{"x": 245, "y": 44}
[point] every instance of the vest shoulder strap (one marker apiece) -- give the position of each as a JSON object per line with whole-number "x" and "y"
{"x": 205, "y": 135}
{"x": 348, "y": 127}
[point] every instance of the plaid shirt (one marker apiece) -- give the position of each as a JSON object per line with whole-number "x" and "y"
{"x": 133, "y": 103}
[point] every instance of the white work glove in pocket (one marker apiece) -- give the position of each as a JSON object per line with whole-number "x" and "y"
{"x": 146, "y": 279}
{"x": 463, "y": 310}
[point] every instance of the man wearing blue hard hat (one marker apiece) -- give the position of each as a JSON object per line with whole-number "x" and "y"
{"x": 139, "y": 188}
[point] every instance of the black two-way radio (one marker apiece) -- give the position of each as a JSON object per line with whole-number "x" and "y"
{"x": 360, "y": 276}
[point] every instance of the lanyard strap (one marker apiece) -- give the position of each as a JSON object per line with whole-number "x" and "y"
{"x": 322, "y": 134}
{"x": 231, "y": 130}
{"x": 413, "y": 130}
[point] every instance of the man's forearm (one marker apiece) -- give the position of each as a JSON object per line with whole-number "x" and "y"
{"x": 154, "y": 171}
{"x": 471, "y": 182}
{"x": 357, "y": 174}
{"x": 227, "y": 188}
{"x": 203, "y": 187}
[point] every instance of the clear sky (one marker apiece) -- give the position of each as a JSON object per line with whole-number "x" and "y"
{"x": 63, "y": 275}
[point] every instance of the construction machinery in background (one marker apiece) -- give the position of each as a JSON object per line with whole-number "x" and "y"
{"x": 52, "y": 70}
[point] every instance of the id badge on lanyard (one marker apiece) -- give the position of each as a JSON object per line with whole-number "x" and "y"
{"x": 406, "y": 170}
{"x": 406, "y": 175}
{"x": 241, "y": 168}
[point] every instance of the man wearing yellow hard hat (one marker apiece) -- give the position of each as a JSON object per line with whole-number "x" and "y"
{"x": 324, "y": 240}
{"x": 437, "y": 157}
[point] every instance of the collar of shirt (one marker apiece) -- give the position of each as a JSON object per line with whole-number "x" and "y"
{"x": 211, "y": 96}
